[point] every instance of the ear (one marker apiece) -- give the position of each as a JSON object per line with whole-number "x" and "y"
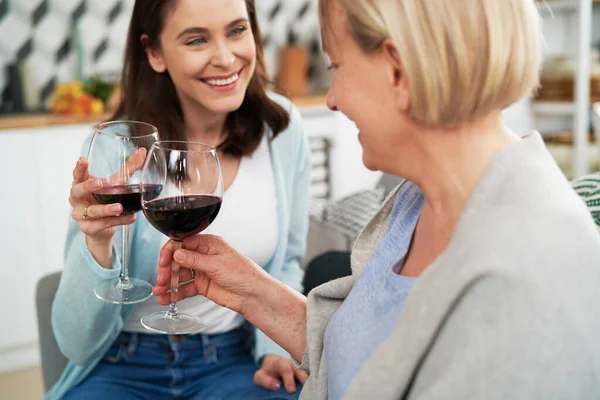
{"x": 155, "y": 57}
{"x": 396, "y": 74}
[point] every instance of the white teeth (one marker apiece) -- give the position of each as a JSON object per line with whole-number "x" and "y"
{"x": 223, "y": 82}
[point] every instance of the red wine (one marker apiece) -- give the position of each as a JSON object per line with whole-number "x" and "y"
{"x": 129, "y": 196}
{"x": 182, "y": 216}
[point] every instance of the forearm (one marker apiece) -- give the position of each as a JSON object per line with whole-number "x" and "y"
{"x": 280, "y": 312}
{"x": 80, "y": 321}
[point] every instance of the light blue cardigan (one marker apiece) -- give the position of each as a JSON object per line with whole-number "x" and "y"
{"x": 85, "y": 327}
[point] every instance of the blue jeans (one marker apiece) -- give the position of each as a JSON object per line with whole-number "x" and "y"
{"x": 200, "y": 367}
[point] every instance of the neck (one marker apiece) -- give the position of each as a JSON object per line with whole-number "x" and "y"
{"x": 203, "y": 125}
{"x": 447, "y": 164}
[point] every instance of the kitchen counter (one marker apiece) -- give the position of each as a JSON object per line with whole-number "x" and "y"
{"x": 21, "y": 121}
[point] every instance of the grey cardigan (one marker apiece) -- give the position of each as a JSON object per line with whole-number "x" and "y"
{"x": 510, "y": 310}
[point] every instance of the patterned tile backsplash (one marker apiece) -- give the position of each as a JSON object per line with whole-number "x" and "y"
{"x": 40, "y": 35}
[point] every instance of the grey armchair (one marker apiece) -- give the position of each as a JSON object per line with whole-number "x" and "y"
{"x": 53, "y": 361}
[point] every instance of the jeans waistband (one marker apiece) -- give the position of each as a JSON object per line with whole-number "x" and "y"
{"x": 235, "y": 336}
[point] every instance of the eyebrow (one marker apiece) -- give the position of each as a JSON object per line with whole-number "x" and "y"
{"x": 204, "y": 30}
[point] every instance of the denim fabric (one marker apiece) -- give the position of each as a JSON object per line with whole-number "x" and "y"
{"x": 199, "y": 367}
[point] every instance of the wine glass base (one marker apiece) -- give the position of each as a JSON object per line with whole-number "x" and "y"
{"x": 162, "y": 322}
{"x": 112, "y": 291}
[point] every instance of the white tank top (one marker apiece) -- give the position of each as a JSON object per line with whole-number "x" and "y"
{"x": 248, "y": 222}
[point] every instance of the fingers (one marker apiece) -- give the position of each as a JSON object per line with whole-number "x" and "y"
{"x": 134, "y": 162}
{"x": 274, "y": 370}
{"x": 263, "y": 379}
{"x": 286, "y": 370}
{"x": 80, "y": 173}
{"x": 163, "y": 278}
{"x": 97, "y": 211}
{"x": 205, "y": 244}
{"x": 80, "y": 190}
{"x": 301, "y": 375}
{"x": 183, "y": 292}
{"x": 197, "y": 251}
{"x": 190, "y": 259}
{"x": 166, "y": 255}
{"x": 94, "y": 226}
{"x": 165, "y": 259}
{"x": 193, "y": 249}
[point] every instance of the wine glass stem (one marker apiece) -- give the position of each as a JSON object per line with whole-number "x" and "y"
{"x": 173, "y": 312}
{"x": 124, "y": 276}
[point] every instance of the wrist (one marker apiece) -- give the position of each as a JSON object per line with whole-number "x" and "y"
{"x": 257, "y": 302}
{"x": 280, "y": 312}
{"x": 101, "y": 250}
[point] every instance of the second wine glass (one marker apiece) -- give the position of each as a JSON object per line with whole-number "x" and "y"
{"x": 189, "y": 175}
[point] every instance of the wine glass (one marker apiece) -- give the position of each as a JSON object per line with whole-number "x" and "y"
{"x": 116, "y": 156}
{"x": 189, "y": 199}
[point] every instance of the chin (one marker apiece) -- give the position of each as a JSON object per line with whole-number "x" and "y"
{"x": 368, "y": 162}
{"x": 225, "y": 105}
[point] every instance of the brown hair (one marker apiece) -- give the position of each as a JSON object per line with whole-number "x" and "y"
{"x": 151, "y": 97}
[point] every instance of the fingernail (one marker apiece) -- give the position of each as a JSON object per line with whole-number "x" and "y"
{"x": 179, "y": 256}
{"x": 276, "y": 386}
{"x": 116, "y": 208}
{"x": 96, "y": 184}
{"x": 78, "y": 161}
{"x": 291, "y": 389}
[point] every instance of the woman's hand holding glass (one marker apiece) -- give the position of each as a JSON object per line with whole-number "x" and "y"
{"x": 221, "y": 273}
{"x": 232, "y": 280}
{"x": 106, "y": 193}
{"x": 98, "y": 222}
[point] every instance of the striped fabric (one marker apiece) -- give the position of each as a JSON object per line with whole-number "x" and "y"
{"x": 350, "y": 214}
{"x": 588, "y": 188}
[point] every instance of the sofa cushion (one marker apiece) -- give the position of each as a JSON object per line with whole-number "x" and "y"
{"x": 588, "y": 188}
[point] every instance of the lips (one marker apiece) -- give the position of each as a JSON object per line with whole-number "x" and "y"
{"x": 222, "y": 81}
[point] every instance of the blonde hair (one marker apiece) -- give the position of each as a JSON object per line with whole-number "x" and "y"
{"x": 463, "y": 58}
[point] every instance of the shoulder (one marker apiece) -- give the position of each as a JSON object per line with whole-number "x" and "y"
{"x": 291, "y": 143}
{"x": 295, "y": 126}
{"x": 525, "y": 223}
{"x": 524, "y": 205}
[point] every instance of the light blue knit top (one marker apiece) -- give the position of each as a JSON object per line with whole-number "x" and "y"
{"x": 373, "y": 307}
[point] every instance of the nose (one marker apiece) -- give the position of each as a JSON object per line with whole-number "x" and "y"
{"x": 330, "y": 101}
{"x": 222, "y": 55}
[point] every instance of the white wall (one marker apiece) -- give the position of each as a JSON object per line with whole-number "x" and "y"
{"x": 35, "y": 167}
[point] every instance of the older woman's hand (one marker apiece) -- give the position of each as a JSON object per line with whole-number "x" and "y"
{"x": 221, "y": 274}
{"x": 231, "y": 280}
{"x": 274, "y": 369}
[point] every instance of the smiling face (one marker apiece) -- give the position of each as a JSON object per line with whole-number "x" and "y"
{"x": 209, "y": 51}
{"x": 371, "y": 90}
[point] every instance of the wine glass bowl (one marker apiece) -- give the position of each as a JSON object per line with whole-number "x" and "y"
{"x": 190, "y": 184}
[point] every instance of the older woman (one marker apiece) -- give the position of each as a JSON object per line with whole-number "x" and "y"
{"x": 476, "y": 279}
